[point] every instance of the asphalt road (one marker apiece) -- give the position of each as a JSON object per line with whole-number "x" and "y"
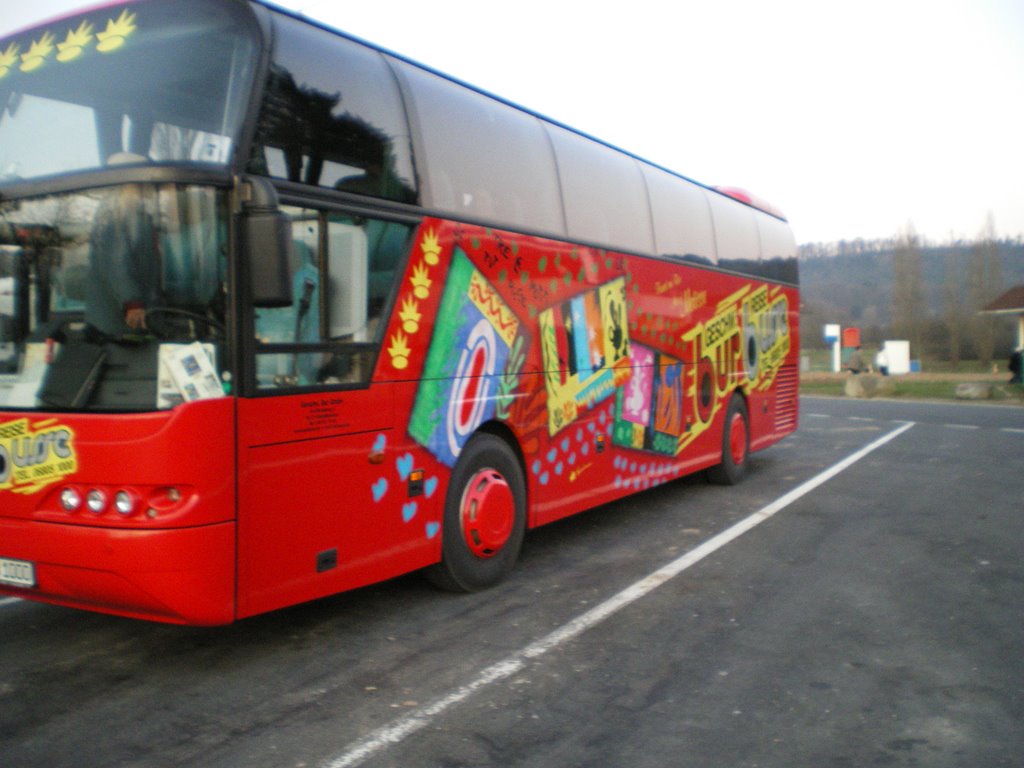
{"x": 872, "y": 615}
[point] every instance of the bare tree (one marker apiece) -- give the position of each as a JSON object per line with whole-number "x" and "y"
{"x": 984, "y": 284}
{"x": 908, "y": 300}
{"x": 953, "y": 315}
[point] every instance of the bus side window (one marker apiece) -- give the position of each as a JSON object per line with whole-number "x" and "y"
{"x": 332, "y": 113}
{"x": 298, "y": 323}
{"x": 331, "y": 334}
{"x": 364, "y": 255}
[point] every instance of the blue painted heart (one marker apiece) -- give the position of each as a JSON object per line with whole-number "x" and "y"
{"x": 404, "y": 464}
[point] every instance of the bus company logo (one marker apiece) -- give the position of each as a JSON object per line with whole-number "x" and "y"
{"x": 667, "y": 404}
{"x": 33, "y": 456}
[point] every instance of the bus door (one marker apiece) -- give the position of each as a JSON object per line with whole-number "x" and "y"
{"x": 314, "y": 435}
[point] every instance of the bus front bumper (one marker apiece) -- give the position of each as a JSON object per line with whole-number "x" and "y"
{"x": 178, "y": 575}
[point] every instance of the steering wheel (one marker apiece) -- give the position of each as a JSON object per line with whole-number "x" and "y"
{"x": 176, "y": 323}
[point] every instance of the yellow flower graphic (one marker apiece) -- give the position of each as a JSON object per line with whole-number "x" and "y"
{"x": 75, "y": 43}
{"x": 431, "y": 247}
{"x": 116, "y": 33}
{"x": 420, "y": 282}
{"x": 8, "y": 59}
{"x": 410, "y": 316}
{"x": 399, "y": 351}
{"x": 36, "y": 55}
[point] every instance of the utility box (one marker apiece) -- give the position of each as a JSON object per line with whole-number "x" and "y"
{"x": 898, "y": 354}
{"x": 832, "y": 332}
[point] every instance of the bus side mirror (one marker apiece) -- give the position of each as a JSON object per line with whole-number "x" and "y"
{"x": 267, "y": 245}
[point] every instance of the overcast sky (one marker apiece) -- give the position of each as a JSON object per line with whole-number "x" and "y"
{"x": 853, "y": 118}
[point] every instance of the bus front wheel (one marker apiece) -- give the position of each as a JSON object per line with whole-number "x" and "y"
{"x": 484, "y": 517}
{"x": 735, "y": 445}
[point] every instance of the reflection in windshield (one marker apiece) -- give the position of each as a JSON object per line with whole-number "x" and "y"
{"x": 113, "y": 298}
{"x": 165, "y": 81}
{"x": 307, "y": 137}
{"x": 332, "y": 117}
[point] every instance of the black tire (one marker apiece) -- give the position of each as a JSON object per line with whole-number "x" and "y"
{"x": 735, "y": 445}
{"x": 484, "y": 517}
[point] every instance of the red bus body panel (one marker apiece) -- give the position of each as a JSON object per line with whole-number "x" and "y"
{"x": 322, "y": 505}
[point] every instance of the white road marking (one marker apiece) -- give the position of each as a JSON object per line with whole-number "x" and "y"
{"x": 1012, "y": 430}
{"x": 403, "y": 727}
{"x": 961, "y": 426}
{"x": 5, "y": 601}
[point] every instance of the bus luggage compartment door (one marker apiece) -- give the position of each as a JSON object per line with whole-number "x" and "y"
{"x": 312, "y": 513}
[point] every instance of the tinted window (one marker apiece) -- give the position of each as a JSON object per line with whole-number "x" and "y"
{"x": 604, "y": 194}
{"x": 736, "y": 235}
{"x": 752, "y": 242}
{"x": 682, "y": 217}
{"x": 481, "y": 157}
{"x": 343, "y": 275}
{"x": 332, "y": 116}
{"x": 778, "y": 249}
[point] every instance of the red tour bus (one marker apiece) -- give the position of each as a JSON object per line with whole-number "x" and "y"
{"x": 283, "y": 314}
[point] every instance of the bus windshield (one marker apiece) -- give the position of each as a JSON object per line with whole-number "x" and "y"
{"x": 113, "y": 299}
{"x": 164, "y": 81}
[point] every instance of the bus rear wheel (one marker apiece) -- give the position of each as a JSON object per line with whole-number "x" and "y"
{"x": 735, "y": 445}
{"x": 484, "y": 517}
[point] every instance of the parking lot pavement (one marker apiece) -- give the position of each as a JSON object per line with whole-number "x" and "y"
{"x": 872, "y": 620}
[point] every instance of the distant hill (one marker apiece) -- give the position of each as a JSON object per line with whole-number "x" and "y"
{"x": 850, "y": 283}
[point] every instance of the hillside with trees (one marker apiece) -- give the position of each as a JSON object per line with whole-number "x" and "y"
{"x": 908, "y": 288}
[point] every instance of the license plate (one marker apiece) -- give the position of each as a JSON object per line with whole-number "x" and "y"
{"x": 18, "y": 573}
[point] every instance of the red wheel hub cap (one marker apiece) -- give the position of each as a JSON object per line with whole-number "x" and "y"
{"x": 738, "y": 439}
{"x": 488, "y": 513}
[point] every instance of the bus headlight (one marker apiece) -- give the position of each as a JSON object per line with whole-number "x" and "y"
{"x": 70, "y": 499}
{"x": 96, "y": 500}
{"x": 124, "y": 503}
